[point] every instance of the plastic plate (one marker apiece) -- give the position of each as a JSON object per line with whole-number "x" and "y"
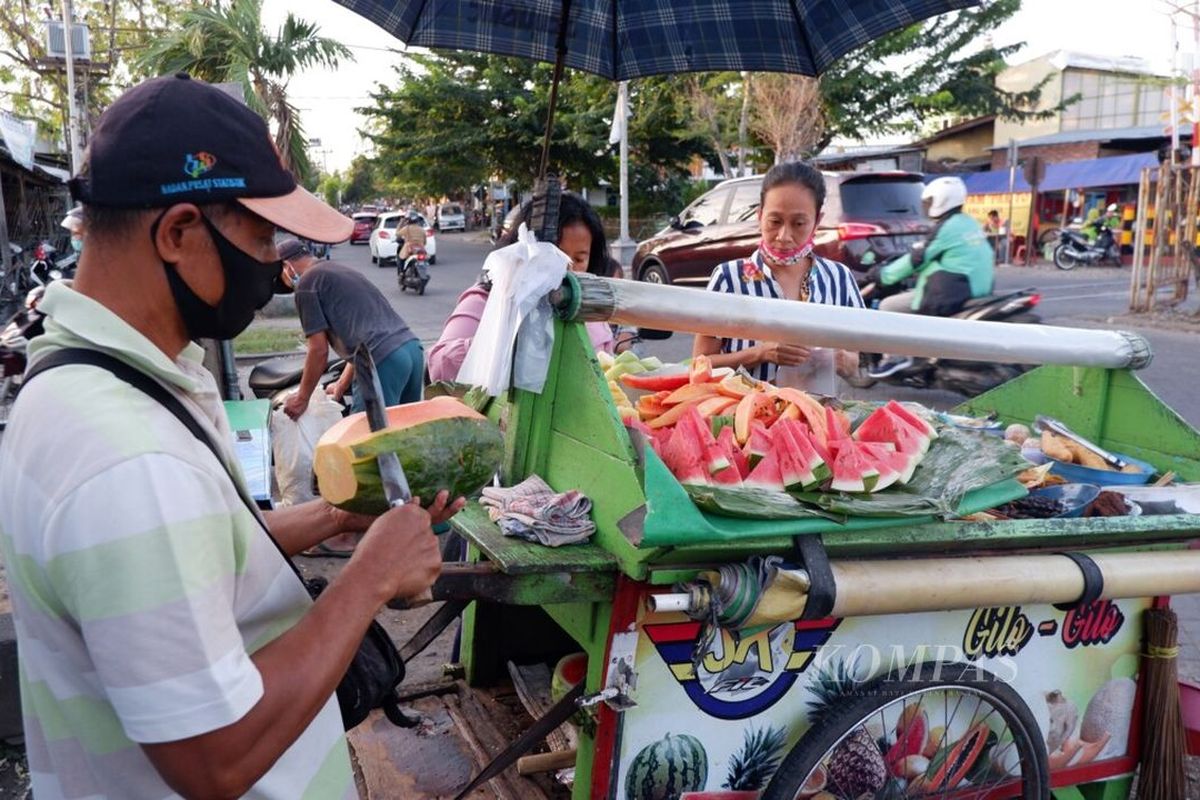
{"x": 1076, "y": 473}
{"x": 1075, "y": 496}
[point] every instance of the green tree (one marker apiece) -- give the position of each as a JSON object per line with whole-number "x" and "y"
{"x": 360, "y": 184}
{"x": 453, "y": 120}
{"x": 331, "y": 188}
{"x": 933, "y": 68}
{"x": 227, "y": 44}
{"x": 118, "y": 30}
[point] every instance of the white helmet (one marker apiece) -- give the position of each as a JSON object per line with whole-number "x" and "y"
{"x": 1112, "y": 209}
{"x": 942, "y": 195}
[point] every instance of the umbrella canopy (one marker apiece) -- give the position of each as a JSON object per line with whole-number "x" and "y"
{"x": 623, "y": 39}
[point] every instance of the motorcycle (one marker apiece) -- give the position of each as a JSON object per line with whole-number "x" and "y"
{"x": 271, "y": 378}
{"x": 14, "y": 342}
{"x": 414, "y": 272}
{"x": 968, "y": 378}
{"x": 1074, "y": 249}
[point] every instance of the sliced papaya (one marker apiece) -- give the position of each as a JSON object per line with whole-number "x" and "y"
{"x": 737, "y": 386}
{"x": 811, "y": 410}
{"x": 715, "y": 406}
{"x": 693, "y": 391}
{"x": 790, "y": 411}
{"x": 952, "y": 764}
{"x": 701, "y": 371}
{"x": 672, "y": 415}
{"x": 754, "y": 407}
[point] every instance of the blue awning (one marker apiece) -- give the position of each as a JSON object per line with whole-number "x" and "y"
{"x": 1114, "y": 171}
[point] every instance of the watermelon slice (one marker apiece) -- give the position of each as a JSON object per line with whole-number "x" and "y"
{"x": 884, "y": 426}
{"x": 728, "y": 442}
{"x": 838, "y": 425}
{"x": 900, "y": 465}
{"x": 853, "y": 471}
{"x": 727, "y": 477}
{"x": 915, "y": 420}
{"x": 810, "y": 410}
{"x": 766, "y": 475}
{"x": 697, "y": 427}
{"x": 799, "y": 462}
{"x": 665, "y": 379}
{"x": 686, "y": 457}
{"x": 758, "y": 445}
{"x": 813, "y": 454}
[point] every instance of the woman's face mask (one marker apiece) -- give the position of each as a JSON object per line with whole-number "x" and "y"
{"x": 77, "y": 244}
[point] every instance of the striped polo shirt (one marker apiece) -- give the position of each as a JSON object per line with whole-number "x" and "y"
{"x": 141, "y": 585}
{"x": 830, "y": 283}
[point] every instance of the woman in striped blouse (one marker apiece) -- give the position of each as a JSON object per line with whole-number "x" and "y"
{"x": 783, "y": 267}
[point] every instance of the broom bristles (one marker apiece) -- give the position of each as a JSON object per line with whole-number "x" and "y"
{"x": 1163, "y": 745}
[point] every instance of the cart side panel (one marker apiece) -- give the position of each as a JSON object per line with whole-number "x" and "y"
{"x": 1068, "y": 667}
{"x": 1111, "y": 407}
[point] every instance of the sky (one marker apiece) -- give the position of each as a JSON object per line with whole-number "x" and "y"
{"x": 327, "y": 98}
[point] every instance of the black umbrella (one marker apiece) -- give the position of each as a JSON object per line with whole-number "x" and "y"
{"x": 623, "y": 39}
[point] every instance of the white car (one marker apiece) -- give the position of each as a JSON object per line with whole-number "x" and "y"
{"x": 383, "y": 244}
{"x": 450, "y": 217}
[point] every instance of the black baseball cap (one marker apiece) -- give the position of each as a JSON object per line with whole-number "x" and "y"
{"x": 179, "y": 140}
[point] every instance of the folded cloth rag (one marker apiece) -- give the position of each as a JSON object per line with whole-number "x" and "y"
{"x": 533, "y": 511}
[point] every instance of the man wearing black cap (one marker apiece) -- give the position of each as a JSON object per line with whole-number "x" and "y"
{"x": 165, "y": 645}
{"x": 340, "y": 308}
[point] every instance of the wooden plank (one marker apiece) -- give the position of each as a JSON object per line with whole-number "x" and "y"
{"x": 474, "y": 722}
{"x": 532, "y": 683}
{"x": 517, "y": 556}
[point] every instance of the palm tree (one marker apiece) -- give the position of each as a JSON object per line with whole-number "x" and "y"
{"x": 227, "y": 44}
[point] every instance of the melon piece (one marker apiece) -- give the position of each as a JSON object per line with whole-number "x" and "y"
{"x": 672, "y": 415}
{"x": 729, "y": 444}
{"x": 811, "y": 410}
{"x": 441, "y": 443}
{"x": 884, "y": 426}
{"x": 727, "y": 477}
{"x": 837, "y": 423}
{"x": 689, "y": 393}
{"x": 903, "y": 464}
{"x": 759, "y": 444}
{"x": 754, "y": 407}
{"x": 853, "y": 472}
{"x": 699, "y": 428}
{"x": 915, "y": 420}
{"x": 668, "y": 378}
{"x": 686, "y": 457}
{"x": 891, "y": 465}
{"x": 799, "y": 462}
{"x": 813, "y": 453}
{"x": 766, "y": 475}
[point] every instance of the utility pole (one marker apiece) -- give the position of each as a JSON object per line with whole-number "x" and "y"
{"x": 73, "y": 131}
{"x": 625, "y": 244}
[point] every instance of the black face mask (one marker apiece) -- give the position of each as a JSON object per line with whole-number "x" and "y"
{"x": 249, "y": 285}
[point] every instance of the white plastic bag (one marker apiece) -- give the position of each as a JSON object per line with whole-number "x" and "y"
{"x": 817, "y": 375}
{"x": 522, "y": 275}
{"x": 293, "y": 443}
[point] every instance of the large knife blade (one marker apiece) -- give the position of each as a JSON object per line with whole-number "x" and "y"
{"x": 391, "y": 474}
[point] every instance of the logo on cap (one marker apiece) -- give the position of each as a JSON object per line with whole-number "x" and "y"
{"x": 198, "y": 164}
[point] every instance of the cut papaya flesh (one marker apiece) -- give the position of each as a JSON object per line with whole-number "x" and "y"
{"x": 737, "y": 386}
{"x": 701, "y": 371}
{"x": 692, "y": 391}
{"x": 441, "y": 444}
{"x": 812, "y": 411}
{"x": 668, "y": 378}
{"x": 672, "y": 415}
{"x": 952, "y": 764}
{"x": 715, "y": 406}
{"x": 754, "y": 407}
{"x": 790, "y": 412}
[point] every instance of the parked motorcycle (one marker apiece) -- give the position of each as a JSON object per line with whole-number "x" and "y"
{"x": 273, "y": 377}
{"x": 968, "y": 378}
{"x": 1074, "y": 249}
{"x": 14, "y": 342}
{"x": 414, "y": 272}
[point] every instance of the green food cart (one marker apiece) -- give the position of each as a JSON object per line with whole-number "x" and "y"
{"x": 933, "y": 657}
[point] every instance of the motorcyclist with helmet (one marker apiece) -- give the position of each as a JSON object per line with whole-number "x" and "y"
{"x": 413, "y": 236}
{"x": 953, "y": 265}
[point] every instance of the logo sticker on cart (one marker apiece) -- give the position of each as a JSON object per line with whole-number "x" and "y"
{"x": 740, "y": 679}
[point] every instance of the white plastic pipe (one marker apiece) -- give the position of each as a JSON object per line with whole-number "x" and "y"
{"x": 718, "y": 314}
{"x": 675, "y": 601}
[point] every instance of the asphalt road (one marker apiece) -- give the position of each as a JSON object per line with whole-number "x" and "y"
{"x": 1085, "y": 297}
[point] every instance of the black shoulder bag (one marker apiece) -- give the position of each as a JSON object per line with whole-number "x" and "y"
{"x": 377, "y": 669}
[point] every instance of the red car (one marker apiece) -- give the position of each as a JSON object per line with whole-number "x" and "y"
{"x": 364, "y": 223}
{"x": 869, "y": 217}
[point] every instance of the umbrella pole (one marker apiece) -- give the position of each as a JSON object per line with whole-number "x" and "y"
{"x": 560, "y": 57}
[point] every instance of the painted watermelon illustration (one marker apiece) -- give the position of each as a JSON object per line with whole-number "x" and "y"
{"x": 665, "y": 769}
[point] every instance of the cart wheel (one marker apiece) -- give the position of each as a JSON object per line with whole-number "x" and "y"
{"x": 844, "y": 753}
